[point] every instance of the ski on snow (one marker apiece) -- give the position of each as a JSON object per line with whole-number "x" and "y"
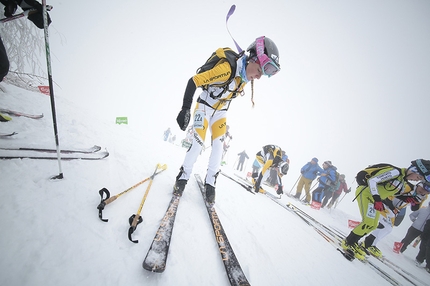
{"x": 43, "y": 155}
{"x": 92, "y": 149}
{"x": 232, "y": 267}
{"x": 6, "y": 135}
{"x": 335, "y": 237}
{"x": 248, "y": 186}
{"x": 156, "y": 258}
{"x": 244, "y": 185}
{"x": 19, "y": 114}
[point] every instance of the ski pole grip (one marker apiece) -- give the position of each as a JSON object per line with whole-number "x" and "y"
{"x": 135, "y": 220}
{"x": 109, "y": 200}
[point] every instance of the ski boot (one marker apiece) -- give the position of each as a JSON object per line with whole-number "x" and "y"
{"x": 354, "y": 249}
{"x": 179, "y": 187}
{"x": 375, "y": 251}
{"x": 210, "y": 193}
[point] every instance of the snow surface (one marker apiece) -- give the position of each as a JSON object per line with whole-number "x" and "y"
{"x": 51, "y": 233}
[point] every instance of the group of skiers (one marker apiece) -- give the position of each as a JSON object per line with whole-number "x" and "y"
{"x": 222, "y": 78}
{"x": 383, "y": 191}
{"x": 331, "y": 184}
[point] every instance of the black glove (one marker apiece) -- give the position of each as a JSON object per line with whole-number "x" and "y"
{"x": 183, "y": 119}
{"x": 378, "y": 204}
{"x": 349, "y": 190}
{"x": 279, "y": 191}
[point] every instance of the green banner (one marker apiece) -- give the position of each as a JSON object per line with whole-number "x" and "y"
{"x": 121, "y": 120}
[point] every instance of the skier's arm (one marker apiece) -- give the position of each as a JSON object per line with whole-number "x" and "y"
{"x": 189, "y": 94}
{"x": 383, "y": 177}
{"x": 218, "y": 74}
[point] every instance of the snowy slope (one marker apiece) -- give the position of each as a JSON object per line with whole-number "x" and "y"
{"x": 51, "y": 233}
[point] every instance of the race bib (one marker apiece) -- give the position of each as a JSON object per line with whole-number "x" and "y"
{"x": 371, "y": 212}
{"x": 199, "y": 117}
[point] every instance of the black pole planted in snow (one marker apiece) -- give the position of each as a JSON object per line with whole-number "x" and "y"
{"x": 51, "y": 89}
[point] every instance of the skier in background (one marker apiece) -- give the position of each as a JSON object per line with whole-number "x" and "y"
{"x": 309, "y": 173}
{"x": 413, "y": 197}
{"x": 424, "y": 253}
{"x": 328, "y": 173}
{"x": 387, "y": 181}
{"x": 336, "y": 192}
{"x": 343, "y": 187}
{"x": 272, "y": 180}
{"x": 167, "y": 133}
{"x": 242, "y": 157}
{"x": 270, "y": 157}
{"x": 418, "y": 218}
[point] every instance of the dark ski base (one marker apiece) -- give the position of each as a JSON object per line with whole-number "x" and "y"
{"x": 92, "y": 149}
{"x": 232, "y": 267}
{"x": 6, "y": 135}
{"x": 14, "y": 154}
{"x": 156, "y": 258}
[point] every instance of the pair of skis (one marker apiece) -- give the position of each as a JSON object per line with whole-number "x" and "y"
{"x": 249, "y": 187}
{"x": 335, "y": 237}
{"x": 91, "y": 153}
{"x": 156, "y": 257}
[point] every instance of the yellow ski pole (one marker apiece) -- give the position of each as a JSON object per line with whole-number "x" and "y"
{"x": 109, "y": 199}
{"x": 135, "y": 219}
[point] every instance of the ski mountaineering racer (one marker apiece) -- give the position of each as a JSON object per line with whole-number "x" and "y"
{"x": 221, "y": 83}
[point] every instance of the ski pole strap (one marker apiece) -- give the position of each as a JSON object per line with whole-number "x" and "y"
{"x": 230, "y": 12}
{"x": 134, "y": 220}
{"x": 102, "y": 204}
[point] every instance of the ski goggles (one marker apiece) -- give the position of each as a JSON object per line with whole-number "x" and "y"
{"x": 423, "y": 170}
{"x": 268, "y": 65}
{"x": 426, "y": 186}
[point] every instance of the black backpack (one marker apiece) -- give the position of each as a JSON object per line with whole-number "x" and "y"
{"x": 221, "y": 55}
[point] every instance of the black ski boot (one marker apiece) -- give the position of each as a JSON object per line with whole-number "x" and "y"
{"x": 210, "y": 193}
{"x": 179, "y": 187}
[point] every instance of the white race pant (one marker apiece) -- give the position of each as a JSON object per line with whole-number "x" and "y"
{"x": 206, "y": 118}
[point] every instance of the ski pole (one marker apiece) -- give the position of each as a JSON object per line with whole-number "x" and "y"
{"x": 295, "y": 184}
{"x": 135, "y": 219}
{"x": 51, "y": 91}
{"x": 109, "y": 199}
